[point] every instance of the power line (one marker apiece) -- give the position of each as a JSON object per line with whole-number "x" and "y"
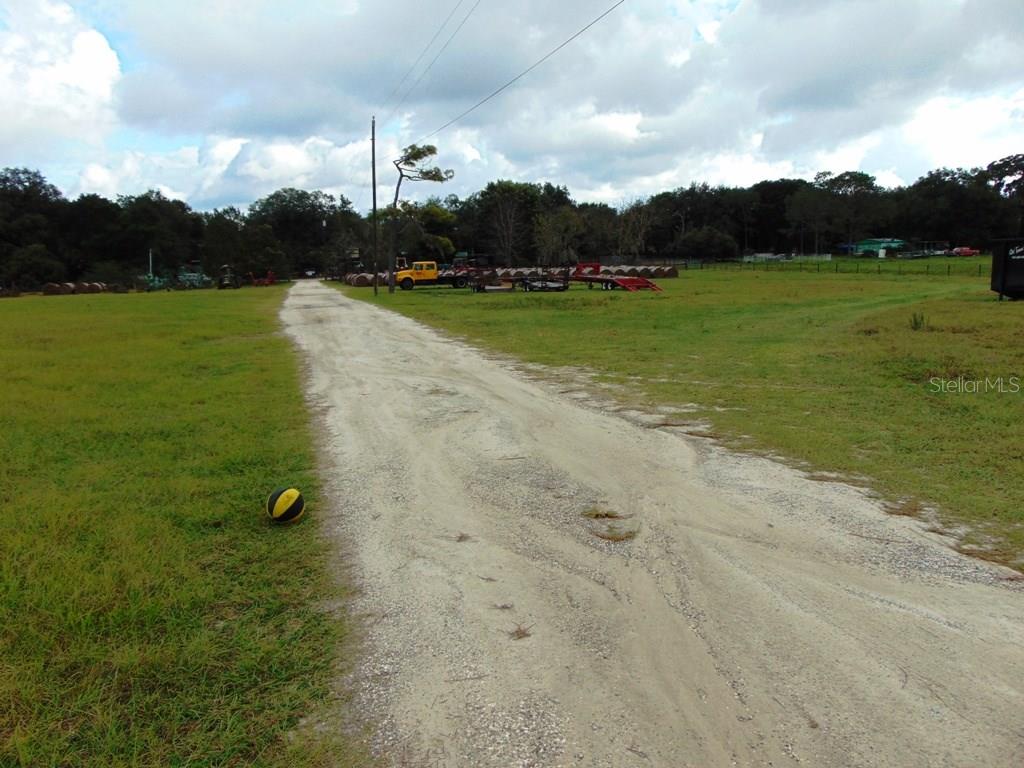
{"x": 436, "y": 57}
{"x": 422, "y": 54}
{"x": 521, "y": 74}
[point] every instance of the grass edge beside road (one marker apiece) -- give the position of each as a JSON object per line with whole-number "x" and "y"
{"x": 149, "y": 613}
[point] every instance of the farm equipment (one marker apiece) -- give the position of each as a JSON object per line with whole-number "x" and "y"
{"x": 192, "y": 276}
{"x": 590, "y": 273}
{"x": 269, "y": 279}
{"x": 155, "y": 283}
{"x": 228, "y": 279}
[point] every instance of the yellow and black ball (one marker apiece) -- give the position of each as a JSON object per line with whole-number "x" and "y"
{"x": 285, "y": 505}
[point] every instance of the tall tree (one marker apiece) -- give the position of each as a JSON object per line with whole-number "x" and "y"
{"x": 634, "y": 225}
{"x": 1007, "y": 176}
{"x": 555, "y": 233}
{"x": 857, "y": 196}
{"x": 410, "y": 166}
{"x": 810, "y": 207}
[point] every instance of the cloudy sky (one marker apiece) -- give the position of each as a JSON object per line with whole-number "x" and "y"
{"x": 221, "y": 101}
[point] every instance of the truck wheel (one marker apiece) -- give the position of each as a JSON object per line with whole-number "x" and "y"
{"x": 406, "y": 284}
{"x": 459, "y": 282}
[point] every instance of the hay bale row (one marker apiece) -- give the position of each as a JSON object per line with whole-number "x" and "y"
{"x": 363, "y": 279}
{"x": 66, "y": 289}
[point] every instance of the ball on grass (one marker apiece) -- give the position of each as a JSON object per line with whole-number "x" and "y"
{"x": 285, "y": 505}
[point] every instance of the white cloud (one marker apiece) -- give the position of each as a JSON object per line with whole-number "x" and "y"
{"x": 57, "y": 77}
{"x": 224, "y": 103}
{"x": 966, "y": 132}
{"x": 847, "y": 156}
{"x": 709, "y": 30}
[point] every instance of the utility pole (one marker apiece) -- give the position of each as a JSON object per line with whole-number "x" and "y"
{"x": 373, "y": 175}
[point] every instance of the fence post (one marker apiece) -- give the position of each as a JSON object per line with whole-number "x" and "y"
{"x": 837, "y": 267}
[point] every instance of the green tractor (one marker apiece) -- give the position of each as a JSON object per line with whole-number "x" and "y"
{"x": 191, "y": 275}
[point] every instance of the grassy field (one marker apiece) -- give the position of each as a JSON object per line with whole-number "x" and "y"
{"x": 835, "y": 372}
{"x": 149, "y": 613}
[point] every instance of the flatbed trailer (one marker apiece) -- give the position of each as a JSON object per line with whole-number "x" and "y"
{"x": 590, "y": 273}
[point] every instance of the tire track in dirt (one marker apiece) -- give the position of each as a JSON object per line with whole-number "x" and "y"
{"x": 758, "y": 617}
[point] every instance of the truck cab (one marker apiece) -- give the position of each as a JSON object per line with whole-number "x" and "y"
{"x": 421, "y": 273}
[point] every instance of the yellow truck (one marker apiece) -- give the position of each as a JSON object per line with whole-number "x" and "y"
{"x": 427, "y": 273}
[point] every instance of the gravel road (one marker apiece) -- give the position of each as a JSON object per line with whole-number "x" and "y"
{"x": 544, "y": 582}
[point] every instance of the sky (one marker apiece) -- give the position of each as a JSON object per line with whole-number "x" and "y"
{"x": 221, "y": 102}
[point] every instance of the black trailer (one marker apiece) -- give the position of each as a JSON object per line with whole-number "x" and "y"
{"x": 1008, "y": 268}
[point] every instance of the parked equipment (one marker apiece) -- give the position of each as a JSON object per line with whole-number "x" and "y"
{"x": 269, "y": 279}
{"x": 191, "y": 275}
{"x": 590, "y": 273}
{"x": 427, "y": 273}
{"x": 228, "y": 279}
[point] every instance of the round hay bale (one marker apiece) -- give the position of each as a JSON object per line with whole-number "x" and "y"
{"x": 645, "y": 271}
{"x": 53, "y": 289}
{"x": 69, "y": 288}
{"x": 93, "y": 288}
{"x": 632, "y": 272}
{"x": 79, "y": 288}
{"x": 362, "y": 280}
{"x": 671, "y": 272}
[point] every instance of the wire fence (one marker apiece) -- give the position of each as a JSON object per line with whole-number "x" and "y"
{"x": 844, "y": 267}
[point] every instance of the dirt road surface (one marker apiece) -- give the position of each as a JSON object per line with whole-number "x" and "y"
{"x": 757, "y": 616}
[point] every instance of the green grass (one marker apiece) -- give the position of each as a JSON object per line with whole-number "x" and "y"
{"x": 149, "y": 613}
{"x": 823, "y": 369}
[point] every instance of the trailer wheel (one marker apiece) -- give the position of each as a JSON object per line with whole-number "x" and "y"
{"x": 406, "y": 284}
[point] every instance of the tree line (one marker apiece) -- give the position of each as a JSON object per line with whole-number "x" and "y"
{"x": 45, "y": 237}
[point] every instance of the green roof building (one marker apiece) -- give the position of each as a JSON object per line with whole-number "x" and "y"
{"x": 875, "y": 245}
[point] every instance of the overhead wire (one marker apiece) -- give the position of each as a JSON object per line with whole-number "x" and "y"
{"x": 422, "y": 54}
{"x": 522, "y": 74}
{"x": 365, "y": 189}
{"x": 433, "y": 61}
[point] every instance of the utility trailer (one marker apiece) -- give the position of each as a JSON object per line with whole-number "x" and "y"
{"x": 590, "y": 273}
{"x": 544, "y": 280}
